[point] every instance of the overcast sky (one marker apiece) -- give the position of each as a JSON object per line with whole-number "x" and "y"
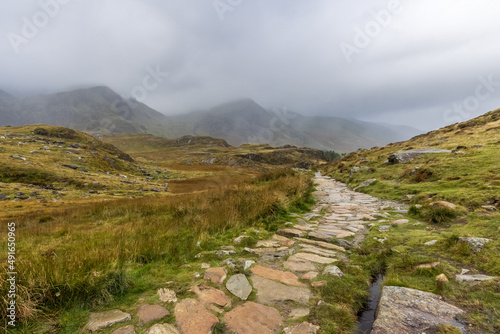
{"x": 422, "y": 63}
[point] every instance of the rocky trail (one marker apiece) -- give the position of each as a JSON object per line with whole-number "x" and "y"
{"x": 284, "y": 279}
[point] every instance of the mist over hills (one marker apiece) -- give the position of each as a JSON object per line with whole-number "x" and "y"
{"x": 101, "y": 111}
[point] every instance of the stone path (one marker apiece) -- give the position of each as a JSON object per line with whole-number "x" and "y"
{"x": 283, "y": 280}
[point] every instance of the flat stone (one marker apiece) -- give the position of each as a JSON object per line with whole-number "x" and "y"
{"x": 476, "y": 244}
{"x": 205, "y": 265}
{"x": 314, "y": 258}
{"x": 384, "y": 228}
{"x": 310, "y": 275}
{"x": 216, "y": 275}
{"x": 304, "y": 228}
{"x": 403, "y": 310}
{"x": 430, "y": 243}
{"x": 147, "y": 313}
{"x": 320, "y": 236}
{"x": 167, "y": 296}
{"x": 401, "y": 221}
{"x": 253, "y": 318}
{"x": 321, "y": 244}
{"x": 333, "y": 271}
{"x": 163, "y": 329}
{"x": 125, "y": 330}
{"x": 303, "y": 328}
{"x": 473, "y": 278}
{"x": 106, "y": 319}
{"x": 209, "y": 295}
{"x": 193, "y": 318}
{"x": 239, "y": 286}
{"x": 299, "y": 313}
{"x": 299, "y": 265}
{"x": 428, "y": 265}
{"x": 321, "y": 252}
{"x": 277, "y": 275}
{"x": 318, "y": 284}
{"x": 284, "y": 241}
{"x": 270, "y": 292}
{"x": 290, "y": 232}
{"x": 267, "y": 243}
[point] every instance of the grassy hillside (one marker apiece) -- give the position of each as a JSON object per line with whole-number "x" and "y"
{"x": 469, "y": 177}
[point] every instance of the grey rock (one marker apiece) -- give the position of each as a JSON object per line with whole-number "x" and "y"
{"x": 430, "y": 243}
{"x": 406, "y": 156}
{"x": 476, "y": 244}
{"x": 315, "y": 235}
{"x": 290, "y": 232}
{"x": 383, "y": 228}
{"x": 333, "y": 271}
{"x": 473, "y": 278}
{"x": 239, "y": 239}
{"x": 239, "y": 286}
{"x": 403, "y": 310}
{"x": 98, "y": 321}
{"x": 228, "y": 262}
{"x": 299, "y": 313}
{"x": 356, "y": 169}
{"x": 162, "y": 329}
{"x": 365, "y": 183}
{"x": 247, "y": 264}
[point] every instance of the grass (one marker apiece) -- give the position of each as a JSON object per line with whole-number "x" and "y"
{"x": 82, "y": 257}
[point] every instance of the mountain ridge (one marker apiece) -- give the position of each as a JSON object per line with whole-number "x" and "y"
{"x": 101, "y": 111}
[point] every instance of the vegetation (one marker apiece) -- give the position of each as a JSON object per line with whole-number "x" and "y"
{"x": 468, "y": 177}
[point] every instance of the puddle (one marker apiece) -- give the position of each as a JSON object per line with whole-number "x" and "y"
{"x": 367, "y": 316}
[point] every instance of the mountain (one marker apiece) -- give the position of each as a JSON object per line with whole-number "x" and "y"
{"x": 101, "y": 111}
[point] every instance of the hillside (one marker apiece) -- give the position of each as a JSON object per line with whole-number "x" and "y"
{"x": 205, "y": 150}
{"x": 470, "y": 171}
{"x": 450, "y": 179}
{"x": 100, "y": 111}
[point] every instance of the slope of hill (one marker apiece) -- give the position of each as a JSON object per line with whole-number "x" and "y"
{"x": 470, "y": 171}
{"x": 100, "y": 111}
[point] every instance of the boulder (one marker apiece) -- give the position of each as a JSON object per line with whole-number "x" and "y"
{"x": 333, "y": 271}
{"x": 409, "y": 155}
{"x": 269, "y": 291}
{"x": 239, "y": 286}
{"x": 101, "y": 320}
{"x": 476, "y": 244}
{"x": 193, "y": 318}
{"x": 147, "y": 313}
{"x": 252, "y": 318}
{"x": 404, "y": 310}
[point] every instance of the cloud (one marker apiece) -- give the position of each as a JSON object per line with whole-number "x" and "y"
{"x": 418, "y": 62}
